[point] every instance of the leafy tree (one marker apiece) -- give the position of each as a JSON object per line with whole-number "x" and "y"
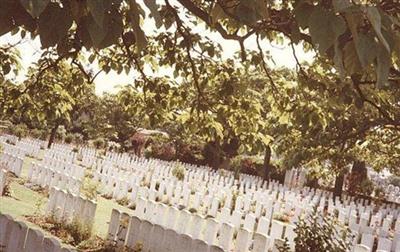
{"x": 344, "y": 31}
{"x": 50, "y": 99}
{"x": 331, "y": 126}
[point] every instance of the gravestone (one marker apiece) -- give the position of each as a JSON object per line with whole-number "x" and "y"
{"x": 34, "y": 240}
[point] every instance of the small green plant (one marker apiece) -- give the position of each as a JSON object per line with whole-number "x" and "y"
{"x": 123, "y": 202}
{"x": 38, "y": 205}
{"x": 69, "y": 138}
{"x": 318, "y": 232}
{"x": 79, "y": 231}
{"x": 74, "y": 232}
{"x": 99, "y": 143}
{"x": 89, "y": 188}
{"x": 20, "y": 130}
{"x": 179, "y": 172}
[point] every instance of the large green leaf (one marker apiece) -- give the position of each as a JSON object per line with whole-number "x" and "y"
{"x": 325, "y": 28}
{"x": 302, "y": 13}
{"x": 351, "y": 61}
{"x": 113, "y": 27}
{"x": 141, "y": 40}
{"x": 382, "y": 68}
{"x": 97, "y": 9}
{"x": 338, "y": 60}
{"x": 246, "y": 12}
{"x": 35, "y": 7}
{"x": 341, "y": 5}
{"x": 374, "y": 18}
{"x": 54, "y": 24}
{"x": 366, "y": 48}
{"x": 153, "y": 7}
{"x": 96, "y": 32}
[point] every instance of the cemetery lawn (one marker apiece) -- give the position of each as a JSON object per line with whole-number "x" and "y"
{"x": 26, "y": 202}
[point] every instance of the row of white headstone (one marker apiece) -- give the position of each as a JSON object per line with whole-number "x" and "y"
{"x": 46, "y": 177}
{"x": 218, "y": 231}
{"x": 11, "y": 162}
{"x": 383, "y": 244}
{"x": 16, "y": 236}
{"x": 67, "y": 207}
{"x": 152, "y": 193}
{"x": 31, "y": 147}
{"x": 133, "y": 232}
{"x": 61, "y": 165}
{"x": 120, "y": 173}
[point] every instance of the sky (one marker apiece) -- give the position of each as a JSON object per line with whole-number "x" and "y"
{"x": 282, "y": 56}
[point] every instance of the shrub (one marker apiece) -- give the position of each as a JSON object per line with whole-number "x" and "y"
{"x": 61, "y": 132}
{"x": 79, "y": 231}
{"x": 74, "y": 232}
{"x": 78, "y": 138}
{"x": 89, "y": 188}
{"x": 163, "y": 151}
{"x": 36, "y": 133}
{"x": 123, "y": 202}
{"x": 69, "y": 138}
{"x": 99, "y": 143}
{"x": 20, "y": 130}
{"x": 179, "y": 172}
{"x": 247, "y": 164}
{"x": 379, "y": 192}
{"x": 317, "y": 233}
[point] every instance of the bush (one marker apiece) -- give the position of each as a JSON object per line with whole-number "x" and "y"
{"x": 36, "y": 133}
{"x": 69, "y": 138}
{"x": 20, "y": 130}
{"x": 78, "y": 138}
{"x": 189, "y": 153}
{"x": 72, "y": 233}
{"x": 123, "y": 202}
{"x": 163, "y": 151}
{"x": 318, "y": 233}
{"x": 79, "y": 231}
{"x": 89, "y": 188}
{"x": 251, "y": 165}
{"x": 99, "y": 143}
{"x": 179, "y": 172}
{"x": 61, "y": 132}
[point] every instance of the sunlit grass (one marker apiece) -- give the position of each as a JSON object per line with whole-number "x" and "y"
{"x": 24, "y": 201}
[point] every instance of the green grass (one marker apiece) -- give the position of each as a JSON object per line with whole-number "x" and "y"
{"x": 24, "y": 201}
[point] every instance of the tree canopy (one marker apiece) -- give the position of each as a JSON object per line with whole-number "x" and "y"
{"x": 339, "y": 109}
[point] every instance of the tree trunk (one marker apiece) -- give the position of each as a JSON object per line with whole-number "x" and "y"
{"x": 52, "y": 135}
{"x": 338, "y": 190}
{"x": 267, "y": 163}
